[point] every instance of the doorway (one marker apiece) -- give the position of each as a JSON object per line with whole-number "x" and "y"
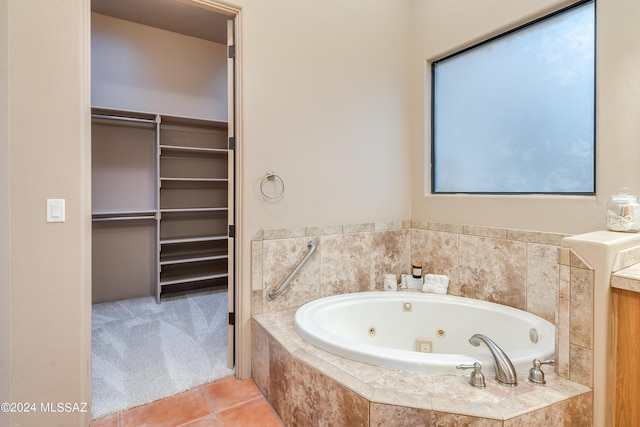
{"x": 152, "y": 68}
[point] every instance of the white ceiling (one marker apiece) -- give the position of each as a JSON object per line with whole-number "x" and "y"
{"x": 171, "y": 15}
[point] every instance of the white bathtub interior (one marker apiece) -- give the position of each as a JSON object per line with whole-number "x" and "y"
{"x": 383, "y": 328}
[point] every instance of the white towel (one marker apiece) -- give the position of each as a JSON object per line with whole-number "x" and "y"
{"x": 435, "y": 283}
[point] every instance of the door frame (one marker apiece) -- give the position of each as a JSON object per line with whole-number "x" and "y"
{"x": 239, "y": 295}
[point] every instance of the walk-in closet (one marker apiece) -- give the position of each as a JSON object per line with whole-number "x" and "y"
{"x": 160, "y": 204}
{"x": 162, "y": 199}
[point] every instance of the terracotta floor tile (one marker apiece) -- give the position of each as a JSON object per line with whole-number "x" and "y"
{"x": 256, "y": 413}
{"x": 169, "y": 412}
{"x": 230, "y": 391}
{"x": 228, "y": 402}
{"x": 209, "y": 421}
{"x": 108, "y": 421}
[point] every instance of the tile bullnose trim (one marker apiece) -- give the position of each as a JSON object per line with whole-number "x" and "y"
{"x": 527, "y": 236}
{"x": 626, "y": 258}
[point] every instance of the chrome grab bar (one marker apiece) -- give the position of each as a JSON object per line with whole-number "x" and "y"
{"x": 271, "y": 294}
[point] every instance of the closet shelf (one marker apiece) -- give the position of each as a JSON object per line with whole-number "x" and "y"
{"x": 124, "y": 218}
{"x": 194, "y": 179}
{"x": 193, "y": 149}
{"x": 192, "y": 239}
{"x": 178, "y": 210}
{"x": 192, "y": 279}
{"x": 174, "y": 261}
{"x": 124, "y": 212}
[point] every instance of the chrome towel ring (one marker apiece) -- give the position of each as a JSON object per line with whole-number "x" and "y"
{"x": 271, "y": 176}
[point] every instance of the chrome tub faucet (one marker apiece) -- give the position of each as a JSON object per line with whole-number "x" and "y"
{"x": 505, "y": 372}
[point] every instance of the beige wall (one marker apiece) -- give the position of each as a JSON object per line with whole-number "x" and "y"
{"x": 166, "y": 72}
{"x": 441, "y": 27}
{"x": 325, "y": 106}
{"x": 5, "y": 251}
{"x": 47, "y": 110}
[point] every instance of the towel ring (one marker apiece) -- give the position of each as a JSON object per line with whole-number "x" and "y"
{"x": 271, "y": 176}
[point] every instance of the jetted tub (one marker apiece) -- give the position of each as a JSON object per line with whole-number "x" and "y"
{"x": 389, "y": 328}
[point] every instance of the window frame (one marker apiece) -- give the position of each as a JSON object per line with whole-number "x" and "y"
{"x": 489, "y": 40}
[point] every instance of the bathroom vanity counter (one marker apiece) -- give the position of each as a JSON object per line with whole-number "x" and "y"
{"x": 627, "y": 279}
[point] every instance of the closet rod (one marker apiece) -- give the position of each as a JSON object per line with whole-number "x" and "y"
{"x": 128, "y": 119}
{"x": 123, "y": 218}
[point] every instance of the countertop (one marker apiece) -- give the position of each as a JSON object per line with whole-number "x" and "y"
{"x": 627, "y": 279}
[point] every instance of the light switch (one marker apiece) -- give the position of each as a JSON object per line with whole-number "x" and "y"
{"x": 55, "y": 210}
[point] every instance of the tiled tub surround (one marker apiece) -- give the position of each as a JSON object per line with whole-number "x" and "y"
{"x": 310, "y": 387}
{"x": 510, "y": 267}
{"x": 522, "y": 269}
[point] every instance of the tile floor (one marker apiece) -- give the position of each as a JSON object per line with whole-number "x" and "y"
{"x": 222, "y": 403}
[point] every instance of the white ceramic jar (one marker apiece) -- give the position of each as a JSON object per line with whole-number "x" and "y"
{"x": 390, "y": 282}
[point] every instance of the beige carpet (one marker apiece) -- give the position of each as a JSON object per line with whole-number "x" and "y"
{"x": 143, "y": 351}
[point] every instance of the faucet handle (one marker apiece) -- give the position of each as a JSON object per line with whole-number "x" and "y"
{"x": 536, "y": 375}
{"x": 476, "y": 378}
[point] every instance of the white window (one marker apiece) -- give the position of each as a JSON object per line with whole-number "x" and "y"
{"x": 516, "y": 114}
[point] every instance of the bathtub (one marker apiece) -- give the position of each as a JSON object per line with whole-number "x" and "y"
{"x": 423, "y": 332}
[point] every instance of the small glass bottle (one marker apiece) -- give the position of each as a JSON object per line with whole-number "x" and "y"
{"x": 416, "y": 270}
{"x": 623, "y": 213}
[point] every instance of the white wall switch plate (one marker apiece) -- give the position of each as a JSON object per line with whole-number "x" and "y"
{"x": 55, "y": 210}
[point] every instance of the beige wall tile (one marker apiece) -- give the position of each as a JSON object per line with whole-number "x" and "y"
{"x": 323, "y": 230}
{"x": 542, "y": 280}
{"x": 388, "y": 225}
{"x": 572, "y": 412}
{"x": 581, "y": 365}
{"x": 449, "y": 228}
{"x": 390, "y": 254}
{"x": 399, "y": 416}
{"x": 256, "y": 301}
{"x": 553, "y": 239}
{"x": 420, "y": 224}
{"x": 438, "y": 253}
{"x": 581, "y": 307}
{"x": 443, "y": 419}
{"x": 358, "y": 228}
{"x": 345, "y": 264}
{"x": 564, "y": 256}
{"x": 496, "y": 233}
{"x": 626, "y": 258}
{"x": 493, "y": 270}
{"x": 279, "y": 258}
{"x": 280, "y": 380}
{"x": 282, "y": 233}
{"x": 256, "y": 265}
{"x": 563, "y": 324}
{"x": 260, "y": 357}
{"x": 576, "y": 260}
{"x": 317, "y": 400}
